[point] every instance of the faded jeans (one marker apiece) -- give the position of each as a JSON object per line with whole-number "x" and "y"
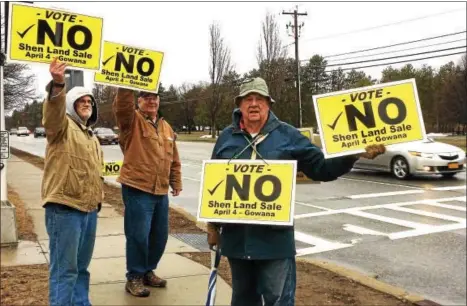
{"x": 255, "y": 282}
{"x": 146, "y": 230}
{"x": 72, "y": 234}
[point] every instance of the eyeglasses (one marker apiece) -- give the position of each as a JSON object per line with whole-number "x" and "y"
{"x": 82, "y": 101}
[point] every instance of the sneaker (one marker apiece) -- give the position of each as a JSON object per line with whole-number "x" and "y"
{"x": 136, "y": 287}
{"x": 151, "y": 279}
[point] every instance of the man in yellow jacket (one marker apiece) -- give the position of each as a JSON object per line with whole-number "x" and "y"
{"x": 72, "y": 188}
{"x": 150, "y": 165}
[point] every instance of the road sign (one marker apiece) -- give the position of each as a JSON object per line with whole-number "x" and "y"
{"x": 38, "y": 34}
{"x": 130, "y": 67}
{"x": 387, "y": 113}
{"x": 112, "y": 168}
{"x": 247, "y": 191}
{"x": 4, "y": 144}
{"x": 301, "y": 177}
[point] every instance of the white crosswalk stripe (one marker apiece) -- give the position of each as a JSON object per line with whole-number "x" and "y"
{"x": 318, "y": 244}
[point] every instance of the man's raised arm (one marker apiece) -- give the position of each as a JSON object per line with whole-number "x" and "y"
{"x": 54, "y": 109}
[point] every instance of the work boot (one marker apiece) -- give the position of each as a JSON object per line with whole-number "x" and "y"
{"x": 136, "y": 287}
{"x": 151, "y": 279}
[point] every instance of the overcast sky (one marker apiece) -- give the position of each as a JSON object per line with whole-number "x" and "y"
{"x": 180, "y": 30}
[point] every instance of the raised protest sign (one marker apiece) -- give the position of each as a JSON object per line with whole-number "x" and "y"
{"x": 301, "y": 177}
{"x": 387, "y": 113}
{"x": 112, "y": 168}
{"x": 247, "y": 191}
{"x": 38, "y": 34}
{"x": 130, "y": 67}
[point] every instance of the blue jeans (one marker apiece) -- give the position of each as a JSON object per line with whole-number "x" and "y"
{"x": 72, "y": 234}
{"x": 146, "y": 230}
{"x": 255, "y": 281}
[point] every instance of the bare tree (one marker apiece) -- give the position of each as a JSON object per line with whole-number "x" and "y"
{"x": 270, "y": 45}
{"x": 271, "y": 56}
{"x": 220, "y": 65}
{"x": 18, "y": 86}
{"x": 18, "y": 83}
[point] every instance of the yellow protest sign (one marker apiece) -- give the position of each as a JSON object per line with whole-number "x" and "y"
{"x": 247, "y": 191}
{"x": 301, "y": 177}
{"x": 387, "y": 113}
{"x": 112, "y": 168}
{"x": 38, "y": 34}
{"x": 130, "y": 67}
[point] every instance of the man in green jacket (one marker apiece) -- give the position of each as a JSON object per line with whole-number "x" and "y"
{"x": 262, "y": 257}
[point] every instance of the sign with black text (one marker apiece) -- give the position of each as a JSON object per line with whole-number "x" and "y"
{"x": 247, "y": 191}
{"x": 38, "y": 34}
{"x": 387, "y": 113}
{"x": 130, "y": 67}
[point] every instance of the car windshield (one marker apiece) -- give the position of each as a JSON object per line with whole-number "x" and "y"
{"x": 22, "y": 128}
{"x": 40, "y": 129}
{"x": 105, "y": 131}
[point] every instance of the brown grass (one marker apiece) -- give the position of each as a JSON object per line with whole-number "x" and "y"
{"x": 23, "y": 219}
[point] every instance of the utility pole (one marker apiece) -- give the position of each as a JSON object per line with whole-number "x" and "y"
{"x": 296, "y": 28}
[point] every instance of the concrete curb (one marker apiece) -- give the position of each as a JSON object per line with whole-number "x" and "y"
{"x": 370, "y": 282}
{"x": 201, "y": 225}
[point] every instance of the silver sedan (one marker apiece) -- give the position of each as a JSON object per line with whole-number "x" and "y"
{"x": 424, "y": 157}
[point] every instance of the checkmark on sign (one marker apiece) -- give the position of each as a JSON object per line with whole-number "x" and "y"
{"x": 333, "y": 125}
{"x": 215, "y": 188}
{"x": 25, "y": 31}
{"x": 107, "y": 60}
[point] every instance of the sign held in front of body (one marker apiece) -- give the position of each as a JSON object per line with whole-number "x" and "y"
{"x": 130, "y": 67}
{"x": 247, "y": 191}
{"x": 39, "y": 34}
{"x": 387, "y": 113}
{"x": 112, "y": 168}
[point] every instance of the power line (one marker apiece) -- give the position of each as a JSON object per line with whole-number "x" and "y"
{"x": 392, "y": 63}
{"x": 386, "y": 58}
{"x": 407, "y": 49}
{"x": 382, "y": 26}
{"x": 397, "y": 44}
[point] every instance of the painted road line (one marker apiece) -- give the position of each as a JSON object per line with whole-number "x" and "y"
{"x": 432, "y": 230}
{"x": 313, "y": 206}
{"x": 384, "y": 194}
{"x": 380, "y": 183}
{"x": 448, "y": 188}
{"x": 190, "y": 179}
{"x": 319, "y": 244}
{"x": 453, "y": 207}
{"x": 362, "y": 230}
{"x": 427, "y": 214}
{"x": 400, "y": 222}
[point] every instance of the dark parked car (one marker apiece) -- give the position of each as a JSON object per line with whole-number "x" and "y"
{"x": 13, "y": 131}
{"x": 39, "y": 132}
{"x": 106, "y": 136}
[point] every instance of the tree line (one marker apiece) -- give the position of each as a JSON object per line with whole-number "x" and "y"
{"x": 442, "y": 92}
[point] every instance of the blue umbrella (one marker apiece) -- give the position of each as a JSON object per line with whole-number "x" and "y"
{"x": 215, "y": 260}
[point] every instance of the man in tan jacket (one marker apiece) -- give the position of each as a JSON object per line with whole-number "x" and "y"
{"x": 150, "y": 165}
{"x": 71, "y": 187}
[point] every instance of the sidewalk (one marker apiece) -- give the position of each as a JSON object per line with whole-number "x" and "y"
{"x": 187, "y": 281}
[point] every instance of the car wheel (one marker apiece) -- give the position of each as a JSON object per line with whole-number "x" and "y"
{"x": 400, "y": 168}
{"x": 448, "y": 175}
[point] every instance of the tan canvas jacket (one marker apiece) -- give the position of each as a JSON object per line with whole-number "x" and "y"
{"x": 151, "y": 162}
{"x": 73, "y": 158}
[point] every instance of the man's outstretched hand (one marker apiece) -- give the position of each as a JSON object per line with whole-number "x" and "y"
{"x": 372, "y": 151}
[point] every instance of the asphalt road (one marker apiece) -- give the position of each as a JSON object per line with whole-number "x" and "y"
{"x": 411, "y": 234}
